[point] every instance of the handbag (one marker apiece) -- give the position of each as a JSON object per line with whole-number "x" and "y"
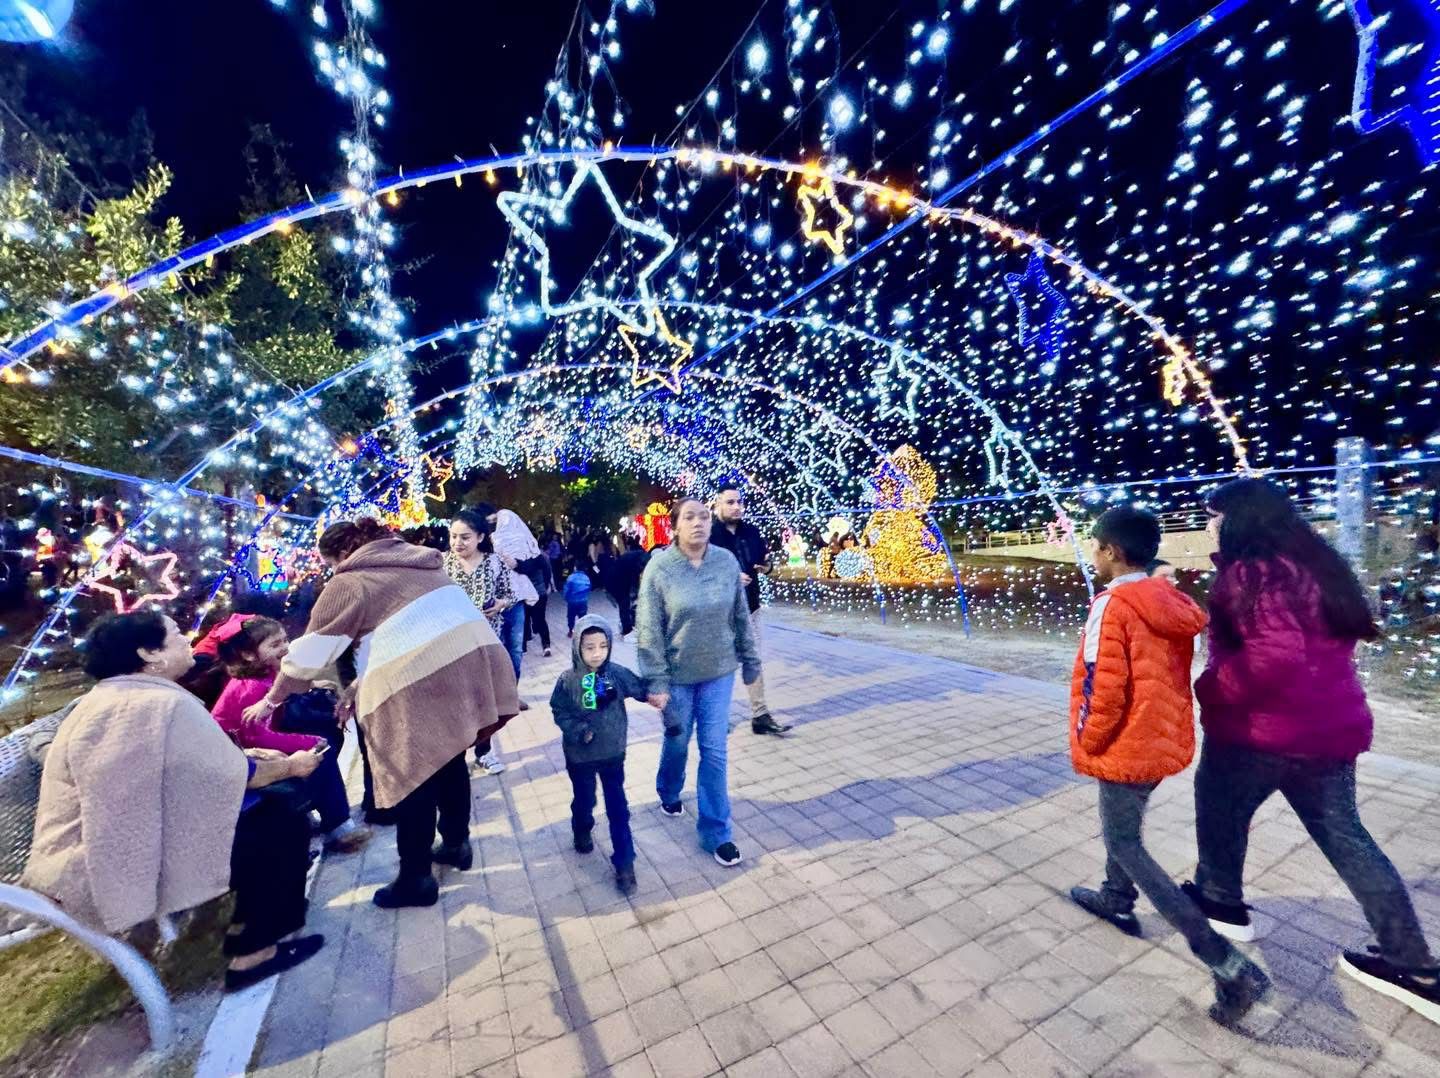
{"x": 311, "y": 713}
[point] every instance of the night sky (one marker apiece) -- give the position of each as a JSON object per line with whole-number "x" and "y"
{"x": 463, "y": 76}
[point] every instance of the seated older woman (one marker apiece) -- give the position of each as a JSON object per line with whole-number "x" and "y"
{"x": 147, "y": 808}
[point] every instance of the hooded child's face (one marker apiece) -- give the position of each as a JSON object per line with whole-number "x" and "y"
{"x": 594, "y": 649}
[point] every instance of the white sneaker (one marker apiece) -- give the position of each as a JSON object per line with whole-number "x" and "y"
{"x": 547, "y": 653}
{"x": 492, "y": 763}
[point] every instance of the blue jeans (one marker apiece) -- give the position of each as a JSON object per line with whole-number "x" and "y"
{"x": 574, "y": 612}
{"x": 512, "y": 635}
{"x": 611, "y": 774}
{"x": 704, "y": 708}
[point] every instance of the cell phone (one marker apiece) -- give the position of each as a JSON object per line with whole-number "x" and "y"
{"x": 321, "y": 749}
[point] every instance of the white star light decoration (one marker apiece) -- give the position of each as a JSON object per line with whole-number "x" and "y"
{"x": 886, "y": 383}
{"x": 997, "y": 453}
{"x": 510, "y": 204}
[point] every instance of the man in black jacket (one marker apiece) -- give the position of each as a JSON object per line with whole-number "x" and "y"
{"x": 737, "y": 535}
{"x": 629, "y": 567}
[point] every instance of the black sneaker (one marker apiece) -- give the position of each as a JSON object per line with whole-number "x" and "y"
{"x": 1419, "y": 989}
{"x": 584, "y": 843}
{"x": 461, "y": 855}
{"x": 674, "y": 809}
{"x": 408, "y": 891}
{"x": 625, "y": 880}
{"x": 765, "y": 723}
{"x": 1234, "y": 996}
{"x": 1232, "y": 922}
{"x": 1094, "y": 902}
{"x": 288, "y": 955}
{"x": 727, "y": 855}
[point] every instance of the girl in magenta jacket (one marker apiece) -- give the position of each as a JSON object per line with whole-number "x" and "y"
{"x": 1283, "y": 710}
{"x": 250, "y": 648}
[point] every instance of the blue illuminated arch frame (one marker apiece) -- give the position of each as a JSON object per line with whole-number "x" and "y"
{"x": 1180, "y": 369}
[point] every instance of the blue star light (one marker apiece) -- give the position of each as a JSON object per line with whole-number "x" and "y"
{"x": 510, "y": 204}
{"x": 1416, "y": 104}
{"x": 1042, "y": 308}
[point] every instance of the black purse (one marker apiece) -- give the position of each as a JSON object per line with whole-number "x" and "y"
{"x": 311, "y": 713}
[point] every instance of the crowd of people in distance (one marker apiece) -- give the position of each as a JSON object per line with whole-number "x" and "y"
{"x": 187, "y": 771}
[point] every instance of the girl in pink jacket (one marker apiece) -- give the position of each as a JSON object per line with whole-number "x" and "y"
{"x": 250, "y": 648}
{"x": 1284, "y": 712}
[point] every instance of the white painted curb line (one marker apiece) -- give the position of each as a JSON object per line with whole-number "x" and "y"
{"x": 230, "y": 1042}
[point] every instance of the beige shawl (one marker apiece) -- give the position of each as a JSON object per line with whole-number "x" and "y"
{"x": 433, "y": 675}
{"x": 138, "y": 803}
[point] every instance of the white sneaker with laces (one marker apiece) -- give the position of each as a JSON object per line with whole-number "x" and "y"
{"x": 492, "y": 763}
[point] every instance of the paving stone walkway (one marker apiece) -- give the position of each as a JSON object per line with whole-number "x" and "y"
{"x": 900, "y": 911}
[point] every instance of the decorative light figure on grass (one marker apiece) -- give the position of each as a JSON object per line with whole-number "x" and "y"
{"x": 902, "y": 547}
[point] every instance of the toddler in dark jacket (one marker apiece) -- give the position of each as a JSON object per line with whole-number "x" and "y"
{"x": 589, "y": 707}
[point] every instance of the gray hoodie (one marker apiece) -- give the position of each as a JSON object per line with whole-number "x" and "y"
{"x": 603, "y": 719}
{"x": 694, "y": 623}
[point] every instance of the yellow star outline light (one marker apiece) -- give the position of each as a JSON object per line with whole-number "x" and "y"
{"x": 441, "y": 473}
{"x": 685, "y": 350}
{"x": 832, "y": 238}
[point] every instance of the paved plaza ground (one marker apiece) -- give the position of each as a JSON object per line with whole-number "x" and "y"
{"x": 900, "y": 911}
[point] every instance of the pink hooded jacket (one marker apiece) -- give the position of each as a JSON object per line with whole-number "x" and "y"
{"x": 1290, "y": 687}
{"x": 238, "y": 694}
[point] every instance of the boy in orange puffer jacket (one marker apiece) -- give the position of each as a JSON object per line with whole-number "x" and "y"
{"x": 1132, "y": 724}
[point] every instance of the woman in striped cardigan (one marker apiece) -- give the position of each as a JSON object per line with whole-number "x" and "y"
{"x": 432, "y": 678}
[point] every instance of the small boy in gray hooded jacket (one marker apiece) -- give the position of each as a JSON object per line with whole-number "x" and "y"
{"x": 589, "y": 707}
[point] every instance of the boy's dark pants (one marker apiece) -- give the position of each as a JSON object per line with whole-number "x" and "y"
{"x": 1128, "y": 865}
{"x": 611, "y": 774}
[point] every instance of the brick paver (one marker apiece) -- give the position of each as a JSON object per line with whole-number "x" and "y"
{"x": 900, "y": 911}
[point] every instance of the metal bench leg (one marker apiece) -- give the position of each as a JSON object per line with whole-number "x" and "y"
{"x": 127, "y": 961}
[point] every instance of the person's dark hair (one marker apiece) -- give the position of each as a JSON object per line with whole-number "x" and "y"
{"x": 344, "y": 537}
{"x": 486, "y": 545}
{"x": 1153, "y": 564}
{"x": 728, "y": 486}
{"x": 1133, "y": 532}
{"x": 112, "y": 646}
{"x": 474, "y": 519}
{"x": 632, "y": 542}
{"x": 484, "y": 510}
{"x": 594, "y": 630}
{"x": 238, "y": 653}
{"x": 1262, "y": 525}
{"x": 679, "y": 505}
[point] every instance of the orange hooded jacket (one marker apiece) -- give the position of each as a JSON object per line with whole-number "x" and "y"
{"x": 1132, "y": 717}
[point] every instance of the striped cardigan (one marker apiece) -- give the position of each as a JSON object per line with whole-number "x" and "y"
{"x": 433, "y": 675}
